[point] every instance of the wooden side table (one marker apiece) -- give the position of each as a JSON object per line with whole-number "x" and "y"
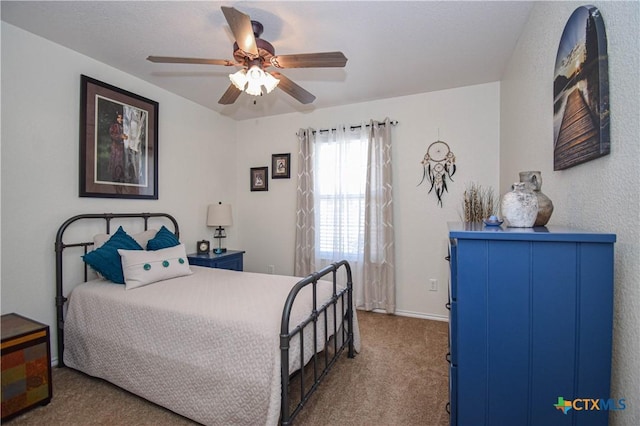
{"x": 231, "y": 259}
{"x": 26, "y": 365}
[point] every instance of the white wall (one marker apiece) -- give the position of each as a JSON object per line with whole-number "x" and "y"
{"x": 466, "y": 118}
{"x": 601, "y": 195}
{"x": 40, "y": 139}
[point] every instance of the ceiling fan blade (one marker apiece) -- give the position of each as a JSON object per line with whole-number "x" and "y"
{"x": 310, "y": 60}
{"x": 174, "y": 60}
{"x": 242, "y": 30}
{"x": 292, "y": 89}
{"x": 230, "y": 95}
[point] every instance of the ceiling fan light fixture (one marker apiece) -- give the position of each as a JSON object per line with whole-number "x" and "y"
{"x": 239, "y": 79}
{"x": 269, "y": 82}
{"x": 251, "y": 81}
{"x": 254, "y": 88}
{"x": 255, "y": 73}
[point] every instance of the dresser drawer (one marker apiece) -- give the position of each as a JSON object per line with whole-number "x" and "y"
{"x": 453, "y": 333}
{"x": 231, "y": 259}
{"x": 234, "y": 263}
{"x": 453, "y": 395}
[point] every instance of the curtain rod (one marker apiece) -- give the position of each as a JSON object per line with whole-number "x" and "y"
{"x": 382, "y": 123}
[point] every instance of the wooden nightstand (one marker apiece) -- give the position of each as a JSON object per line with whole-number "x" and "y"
{"x": 26, "y": 365}
{"x": 231, "y": 259}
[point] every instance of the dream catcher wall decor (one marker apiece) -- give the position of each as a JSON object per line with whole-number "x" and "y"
{"x": 439, "y": 163}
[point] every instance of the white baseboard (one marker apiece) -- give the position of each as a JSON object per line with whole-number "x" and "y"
{"x": 417, "y": 315}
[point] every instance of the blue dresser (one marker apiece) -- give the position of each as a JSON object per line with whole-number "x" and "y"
{"x": 530, "y": 325}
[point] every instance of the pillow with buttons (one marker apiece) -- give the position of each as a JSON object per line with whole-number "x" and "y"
{"x": 141, "y": 267}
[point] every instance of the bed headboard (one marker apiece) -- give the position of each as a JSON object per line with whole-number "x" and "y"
{"x": 60, "y": 246}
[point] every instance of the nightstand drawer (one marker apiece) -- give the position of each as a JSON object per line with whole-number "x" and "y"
{"x": 231, "y": 259}
{"x": 26, "y": 365}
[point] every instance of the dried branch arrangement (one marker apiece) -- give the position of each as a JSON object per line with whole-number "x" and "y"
{"x": 479, "y": 203}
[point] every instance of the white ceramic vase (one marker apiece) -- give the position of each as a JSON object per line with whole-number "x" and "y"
{"x": 545, "y": 205}
{"x": 520, "y": 206}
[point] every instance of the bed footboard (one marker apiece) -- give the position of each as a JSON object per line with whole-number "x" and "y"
{"x": 338, "y": 336}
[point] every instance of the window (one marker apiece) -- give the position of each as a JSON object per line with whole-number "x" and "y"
{"x": 345, "y": 176}
{"x": 340, "y": 179}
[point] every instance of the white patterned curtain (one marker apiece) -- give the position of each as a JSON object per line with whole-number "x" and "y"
{"x": 379, "y": 250}
{"x": 345, "y": 209}
{"x": 304, "y": 262}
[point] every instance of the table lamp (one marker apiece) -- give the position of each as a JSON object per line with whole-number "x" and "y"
{"x": 219, "y": 215}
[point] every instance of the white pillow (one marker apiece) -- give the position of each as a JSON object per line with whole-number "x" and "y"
{"x": 141, "y": 267}
{"x": 141, "y": 238}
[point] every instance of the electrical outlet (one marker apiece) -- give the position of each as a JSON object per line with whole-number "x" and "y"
{"x": 434, "y": 284}
{"x": 271, "y": 269}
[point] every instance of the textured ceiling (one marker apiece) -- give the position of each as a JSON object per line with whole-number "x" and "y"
{"x": 394, "y": 48}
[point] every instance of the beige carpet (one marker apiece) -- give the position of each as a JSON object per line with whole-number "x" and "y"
{"x": 399, "y": 378}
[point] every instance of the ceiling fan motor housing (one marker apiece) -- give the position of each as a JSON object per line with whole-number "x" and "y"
{"x": 265, "y": 49}
{"x": 257, "y": 28}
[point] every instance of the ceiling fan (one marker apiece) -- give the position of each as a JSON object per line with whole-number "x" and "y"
{"x": 254, "y": 55}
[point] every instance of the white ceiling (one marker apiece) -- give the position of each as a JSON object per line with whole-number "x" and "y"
{"x": 394, "y": 48}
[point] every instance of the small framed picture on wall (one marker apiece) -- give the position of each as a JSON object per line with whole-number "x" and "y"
{"x": 260, "y": 178}
{"x": 280, "y": 166}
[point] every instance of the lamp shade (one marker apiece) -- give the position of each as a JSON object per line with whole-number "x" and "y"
{"x": 219, "y": 215}
{"x": 252, "y": 80}
{"x": 239, "y": 79}
{"x": 254, "y": 88}
{"x": 270, "y": 82}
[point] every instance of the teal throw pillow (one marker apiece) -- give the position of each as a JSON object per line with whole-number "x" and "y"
{"x": 106, "y": 260}
{"x": 163, "y": 239}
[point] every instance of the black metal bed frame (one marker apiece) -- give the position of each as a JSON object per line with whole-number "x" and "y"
{"x": 346, "y": 315}
{"x": 340, "y": 305}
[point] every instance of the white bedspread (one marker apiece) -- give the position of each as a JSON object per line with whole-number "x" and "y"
{"x": 205, "y": 346}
